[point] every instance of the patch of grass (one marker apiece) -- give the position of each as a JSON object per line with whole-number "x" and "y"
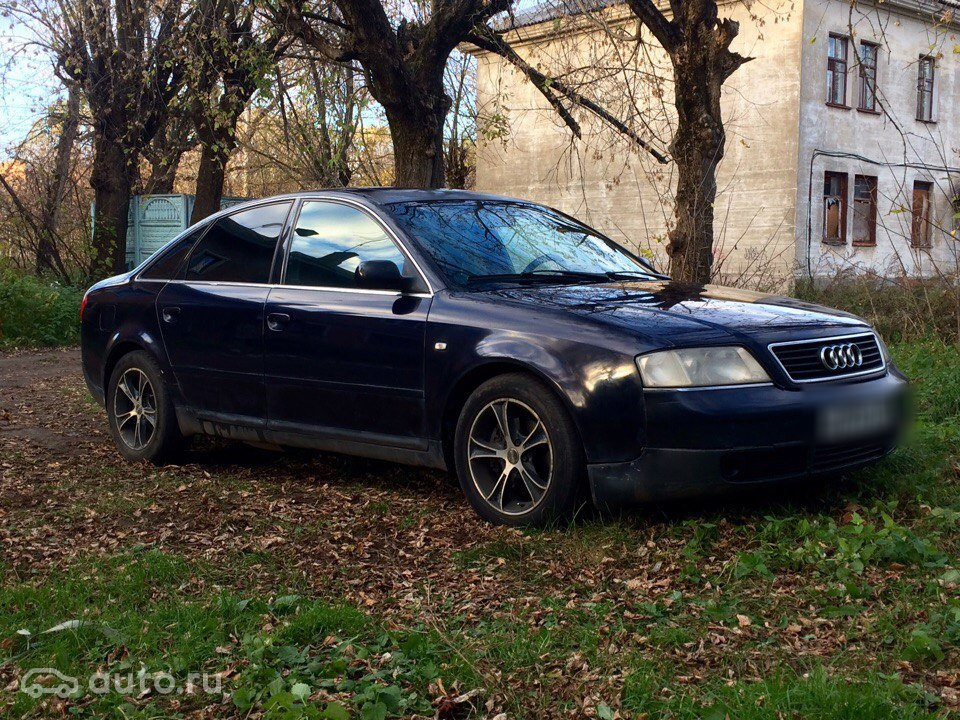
{"x": 507, "y": 551}
{"x": 820, "y": 694}
{"x": 137, "y": 614}
{"x": 36, "y": 312}
{"x": 934, "y": 371}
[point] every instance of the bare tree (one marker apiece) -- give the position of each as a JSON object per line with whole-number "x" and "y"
{"x": 460, "y": 133}
{"x": 40, "y": 186}
{"x": 127, "y": 59}
{"x": 404, "y": 60}
{"x": 236, "y": 54}
{"x": 698, "y": 43}
{"x": 321, "y": 105}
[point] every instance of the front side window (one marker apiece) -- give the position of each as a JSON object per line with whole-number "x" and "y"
{"x": 925, "y": 80}
{"x": 868, "y": 76}
{"x": 835, "y": 208}
{"x": 239, "y": 247}
{"x": 331, "y": 240}
{"x": 920, "y": 226}
{"x": 865, "y": 210}
{"x": 837, "y": 70}
{"x": 472, "y": 240}
{"x": 168, "y": 265}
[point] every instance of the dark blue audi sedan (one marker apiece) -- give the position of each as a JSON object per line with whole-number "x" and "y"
{"x": 502, "y": 340}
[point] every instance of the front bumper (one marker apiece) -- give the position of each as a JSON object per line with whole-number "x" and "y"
{"x": 702, "y": 442}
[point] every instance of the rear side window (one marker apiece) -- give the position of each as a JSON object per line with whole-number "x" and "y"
{"x": 239, "y": 247}
{"x": 331, "y": 240}
{"x": 167, "y": 266}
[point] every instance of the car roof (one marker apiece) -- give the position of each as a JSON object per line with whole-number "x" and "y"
{"x": 389, "y": 195}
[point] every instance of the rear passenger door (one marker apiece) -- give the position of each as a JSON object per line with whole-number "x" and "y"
{"x": 212, "y": 316}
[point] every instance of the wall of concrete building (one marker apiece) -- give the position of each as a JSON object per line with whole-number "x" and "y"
{"x": 525, "y": 151}
{"x": 902, "y": 148}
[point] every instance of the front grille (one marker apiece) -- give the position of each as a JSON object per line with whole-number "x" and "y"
{"x": 802, "y": 360}
{"x": 834, "y": 457}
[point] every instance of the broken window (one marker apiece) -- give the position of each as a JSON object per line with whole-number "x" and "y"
{"x": 835, "y": 208}
{"x": 920, "y": 227}
{"x": 865, "y": 210}
{"x": 837, "y": 70}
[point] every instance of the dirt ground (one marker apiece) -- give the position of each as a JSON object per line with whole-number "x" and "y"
{"x": 57, "y": 460}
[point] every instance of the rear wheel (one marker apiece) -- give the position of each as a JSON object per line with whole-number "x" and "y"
{"x": 143, "y": 422}
{"x": 518, "y": 456}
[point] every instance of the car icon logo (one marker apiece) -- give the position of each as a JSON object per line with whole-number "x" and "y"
{"x": 63, "y": 688}
{"x": 841, "y": 357}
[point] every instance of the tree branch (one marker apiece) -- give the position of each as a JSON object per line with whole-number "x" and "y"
{"x": 666, "y": 32}
{"x": 487, "y": 39}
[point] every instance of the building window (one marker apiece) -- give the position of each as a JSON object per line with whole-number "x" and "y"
{"x": 835, "y": 208}
{"x": 865, "y": 210}
{"x": 837, "y": 71}
{"x": 920, "y": 228}
{"x": 868, "y": 76}
{"x": 925, "y": 79}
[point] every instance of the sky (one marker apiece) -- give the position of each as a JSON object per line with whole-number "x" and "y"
{"x": 27, "y": 86}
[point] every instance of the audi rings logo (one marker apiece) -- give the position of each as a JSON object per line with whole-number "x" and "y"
{"x": 841, "y": 357}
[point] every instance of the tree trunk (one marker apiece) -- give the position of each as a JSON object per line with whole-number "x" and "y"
{"x": 111, "y": 183}
{"x": 702, "y": 61}
{"x": 416, "y": 129}
{"x": 210, "y": 177}
{"x": 697, "y": 149}
{"x": 163, "y": 175}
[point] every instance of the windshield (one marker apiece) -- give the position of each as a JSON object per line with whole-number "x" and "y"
{"x": 481, "y": 240}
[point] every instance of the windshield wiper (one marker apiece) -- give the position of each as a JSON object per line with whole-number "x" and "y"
{"x": 540, "y": 275}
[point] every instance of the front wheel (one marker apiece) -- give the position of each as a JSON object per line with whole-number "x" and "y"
{"x": 519, "y": 458}
{"x": 143, "y": 422}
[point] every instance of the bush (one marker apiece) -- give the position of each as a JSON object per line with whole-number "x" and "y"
{"x": 35, "y": 311}
{"x": 903, "y": 310}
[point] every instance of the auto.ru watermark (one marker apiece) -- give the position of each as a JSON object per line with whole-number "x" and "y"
{"x": 37, "y": 682}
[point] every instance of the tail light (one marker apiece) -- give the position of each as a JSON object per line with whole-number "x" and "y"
{"x": 83, "y": 304}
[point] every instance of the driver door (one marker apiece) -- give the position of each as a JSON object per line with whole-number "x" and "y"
{"x": 340, "y": 359}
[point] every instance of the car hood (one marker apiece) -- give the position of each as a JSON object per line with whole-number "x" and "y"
{"x": 673, "y": 311}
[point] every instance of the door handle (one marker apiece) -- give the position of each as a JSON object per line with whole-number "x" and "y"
{"x": 277, "y": 321}
{"x": 170, "y": 314}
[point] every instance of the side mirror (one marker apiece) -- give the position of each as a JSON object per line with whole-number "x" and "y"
{"x": 381, "y": 275}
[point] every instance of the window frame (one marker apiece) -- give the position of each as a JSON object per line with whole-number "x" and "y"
{"x": 924, "y": 223}
{"x": 874, "y": 183}
{"x": 926, "y": 86}
{"x": 863, "y": 77}
{"x": 844, "y": 209}
{"x": 832, "y": 63}
{"x": 236, "y": 210}
{"x": 294, "y": 218}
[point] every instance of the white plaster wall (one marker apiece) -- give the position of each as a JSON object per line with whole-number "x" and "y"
{"x": 893, "y": 138}
{"x": 623, "y": 192}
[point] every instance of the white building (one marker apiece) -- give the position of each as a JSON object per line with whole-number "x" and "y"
{"x": 843, "y": 137}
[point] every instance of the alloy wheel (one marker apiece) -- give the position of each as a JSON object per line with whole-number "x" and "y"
{"x": 135, "y": 409}
{"x": 510, "y": 456}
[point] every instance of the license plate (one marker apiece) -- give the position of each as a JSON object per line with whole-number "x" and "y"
{"x": 839, "y": 423}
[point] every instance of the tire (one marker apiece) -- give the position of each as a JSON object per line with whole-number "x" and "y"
{"x": 140, "y": 373}
{"x": 544, "y": 466}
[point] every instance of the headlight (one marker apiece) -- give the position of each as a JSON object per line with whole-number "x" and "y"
{"x": 697, "y": 367}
